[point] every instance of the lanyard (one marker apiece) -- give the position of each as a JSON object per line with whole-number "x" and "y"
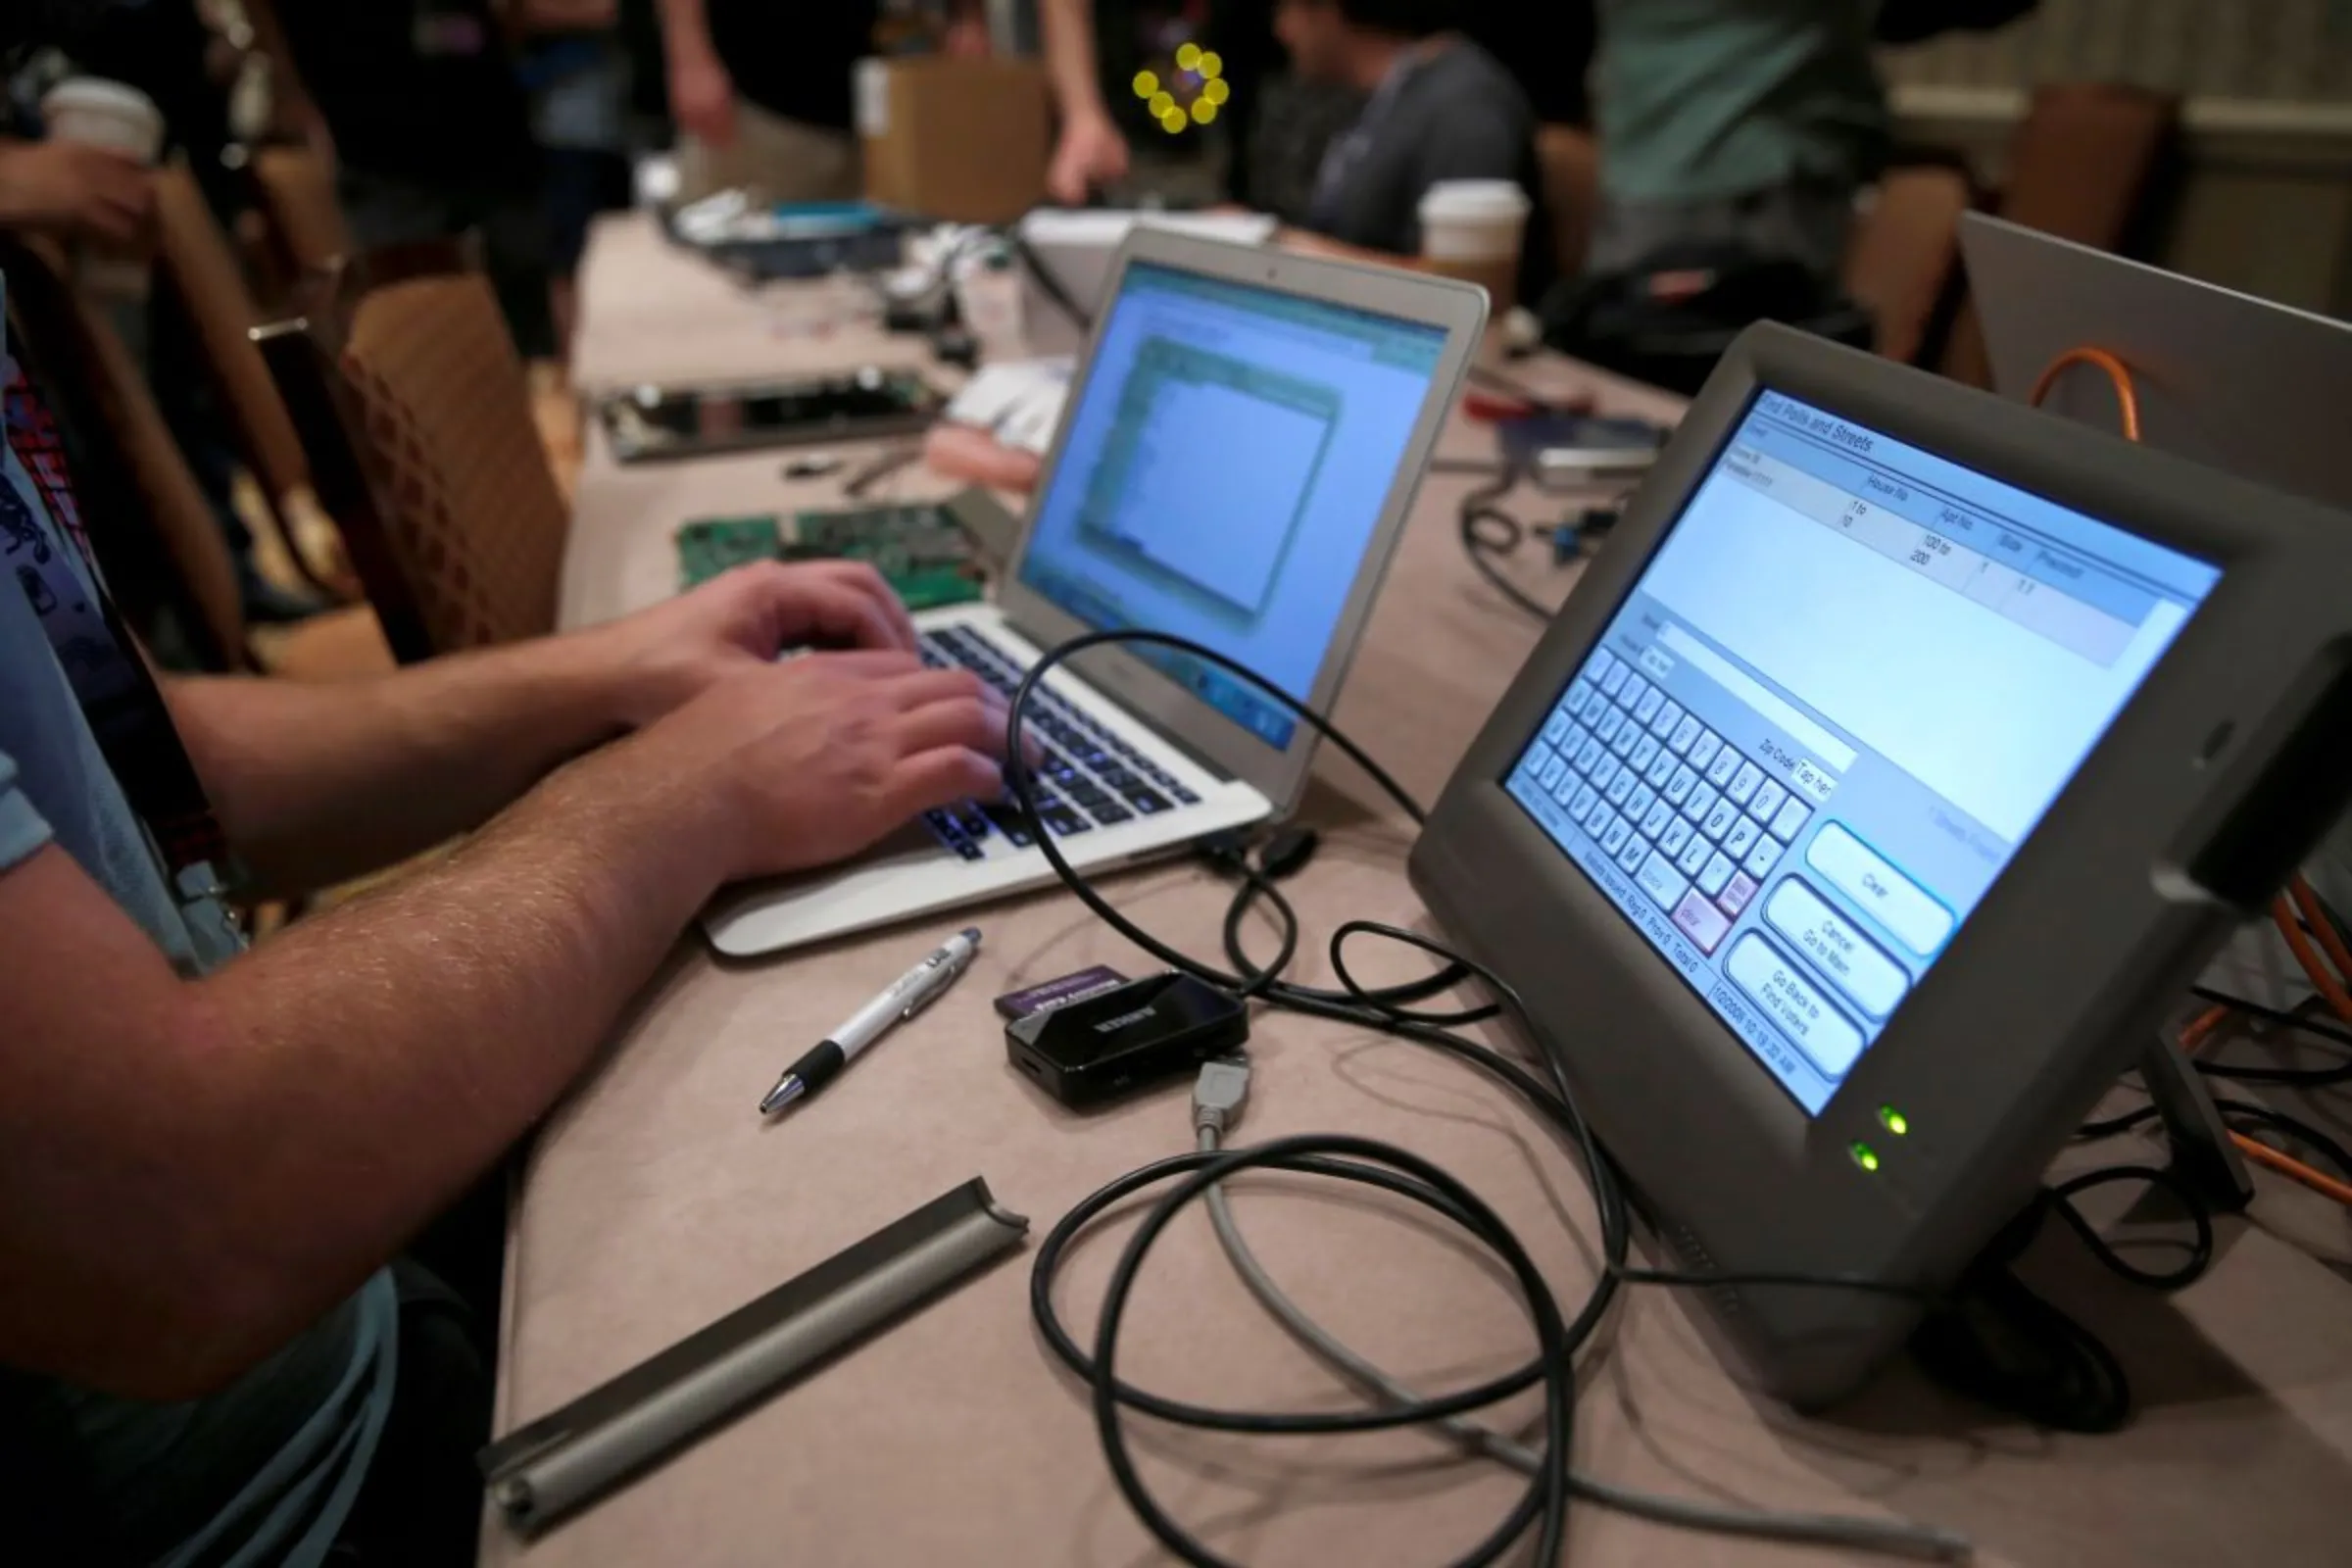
{"x": 115, "y": 690}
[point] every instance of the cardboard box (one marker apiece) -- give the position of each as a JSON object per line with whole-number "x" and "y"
{"x": 961, "y": 139}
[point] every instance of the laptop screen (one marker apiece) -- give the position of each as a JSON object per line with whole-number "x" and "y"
{"x": 1222, "y": 475}
{"x": 1847, "y": 685}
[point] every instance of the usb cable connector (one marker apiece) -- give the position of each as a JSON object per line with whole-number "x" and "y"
{"x": 1219, "y": 1092}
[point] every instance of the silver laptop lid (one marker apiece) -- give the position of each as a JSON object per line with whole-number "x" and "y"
{"x": 1232, "y": 466}
{"x": 2239, "y": 383}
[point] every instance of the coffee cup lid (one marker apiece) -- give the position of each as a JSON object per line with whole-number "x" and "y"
{"x": 1471, "y": 200}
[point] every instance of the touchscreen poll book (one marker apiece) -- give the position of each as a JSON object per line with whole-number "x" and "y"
{"x": 1869, "y": 800}
{"x": 1232, "y": 466}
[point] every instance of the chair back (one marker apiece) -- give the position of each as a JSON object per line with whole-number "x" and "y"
{"x": 296, "y": 193}
{"x": 195, "y": 263}
{"x": 1570, "y": 161}
{"x": 146, "y": 514}
{"x": 417, "y": 413}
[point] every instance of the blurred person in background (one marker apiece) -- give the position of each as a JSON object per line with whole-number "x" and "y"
{"x": 575, "y": 73}
{"x": 1749, "y": 125}
{"x": 432, "y": 136}
{"x": 760, "y": 91}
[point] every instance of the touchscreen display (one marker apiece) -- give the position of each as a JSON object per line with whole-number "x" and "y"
{"x": 1847, "y": 685}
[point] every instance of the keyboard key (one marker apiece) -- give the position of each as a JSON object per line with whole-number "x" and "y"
{"x": 1637, "y": 803}
{"x": 1621, "y": 786}
{"x": 1656, "y": 820}
{"x": 1591, "y": 755}
{"x": 1576, "y": 736}
{"x": 1719, "y": 821}
{"x": 1678, "y": 788}
{"x": 1554, "y": 764}
{"x": 1668, "y": 719}
{"x": 1703, "y": 751}
{"x": 1743, "y": 783}
{"x": 1695, "y": 854}
{"x": 1599, "y": 816}
{"x": 1604, "y": 662}
{"x": 1685, "y": 735}
{"x": 1111, "y": 814}
{"x": 1606, "y": 726}
{"x": 1794, "y": 813}
{"x": 1065, "y": 822}
{"x": 1702, "y": 801}
{"x": 1635, "y": 689}
{"x": 1614, "y": 835}
{"x": 1647, "y": 706}
{"x": 1645, "y": 752}
{"x": 1183, "y": 796}
{"x": 1661, "y": 881}
{"x": 1614, "y": 681}
{"x": 1604, "y": 773}
{"x": 1586, "y": 795}
{"x": 1565, "y": 790}
{"x": 1768, "y": 800}
{"x": 1717, "y": 871}
{"x": 1009, "y": 822}
{"x": 1627, "y": 738}
{"x": 1742, "y": 838}
{"x": 1761, "y": 859}
{"x": 1579, "y": 695}
{"x": 1661, "y": 770}
{"x": 1634, "y": 851}
{"x": 1736, "y": 895}
{"x": 1725, "y": 767}
{"x": 1677, "y": 832}
{"x": 1700, "y": 921}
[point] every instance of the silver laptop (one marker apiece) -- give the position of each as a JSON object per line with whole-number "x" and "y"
{"x": 2240, "y": 383}
{"x": 1232, "y": 466}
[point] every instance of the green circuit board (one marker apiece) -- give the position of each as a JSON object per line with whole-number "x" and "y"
{"x": 918, "y": 549}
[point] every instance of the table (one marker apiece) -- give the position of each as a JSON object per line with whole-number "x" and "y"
{"x": 653, "y": 1202}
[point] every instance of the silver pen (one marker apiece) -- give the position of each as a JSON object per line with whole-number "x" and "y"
{"x": 899, "y": 1000}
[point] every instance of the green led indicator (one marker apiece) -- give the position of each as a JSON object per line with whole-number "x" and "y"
{"x": 1893, "y": 1120}
{"x": 1865, "y": 1156}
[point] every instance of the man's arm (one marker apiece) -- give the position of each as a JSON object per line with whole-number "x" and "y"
{"x": 1091, "y": 152}
{"x": 317, "y": 783}
{"x": 192, "y": 1170}
{"x": 701, "y": 95}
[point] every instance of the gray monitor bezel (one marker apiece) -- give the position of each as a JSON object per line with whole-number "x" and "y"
{"x": 1459, "y": 310}
{"x": 2044, "y": 994}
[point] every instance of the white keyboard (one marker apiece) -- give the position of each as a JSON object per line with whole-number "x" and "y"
{"x": 1695, "y": 822}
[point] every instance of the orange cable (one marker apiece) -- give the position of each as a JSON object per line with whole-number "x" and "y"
{"x": 2315, "y": 916}
{"x": 2314, "y": 968}
{"x": 2127, "y": 394}
{"x": 2289, "y": 1165}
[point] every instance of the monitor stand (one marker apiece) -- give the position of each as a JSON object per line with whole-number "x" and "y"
{"x": 2203, "y": 1156}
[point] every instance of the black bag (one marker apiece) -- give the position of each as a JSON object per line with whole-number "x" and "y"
{"x": 1668, "y": 320}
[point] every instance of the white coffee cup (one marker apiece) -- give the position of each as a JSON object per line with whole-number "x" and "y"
{"x": 1473, "y": 229}
{"x": 98, "y": 113}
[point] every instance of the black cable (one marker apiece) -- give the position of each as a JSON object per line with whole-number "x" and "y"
{"x": 2065, "y": 1346}
{"x": 2233, "y": 1113}
{"x": 1488, "y": 531}
{"x": 2300, "y": 1022}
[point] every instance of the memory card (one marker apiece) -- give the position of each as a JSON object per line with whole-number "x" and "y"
{"x": 1060, "y": 992}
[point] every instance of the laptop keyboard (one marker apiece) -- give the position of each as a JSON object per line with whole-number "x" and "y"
{"x": 1694, "y": 821}
{"x": 1087, "y": 778}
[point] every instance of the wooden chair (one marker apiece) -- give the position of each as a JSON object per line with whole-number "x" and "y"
{"x": 1570, "y": 161}
{"x": 409, "y": 396}
{"x": 295, "y": 191}
{"x": 147, "y": 516}
{"x": 1903, "y": 264}
{"x": 197, "y": 267}
{"x": 2090, "y": 163}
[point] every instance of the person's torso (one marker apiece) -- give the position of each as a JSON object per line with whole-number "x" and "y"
{"x": 795, "y": 60}
{"x": 1699, "y": 99}
{"x": 419, "y": 89}
{"x": 1408, "y": 139}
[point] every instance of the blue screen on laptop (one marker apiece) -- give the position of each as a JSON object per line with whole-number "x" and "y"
{"x": 1223, "y": 473}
